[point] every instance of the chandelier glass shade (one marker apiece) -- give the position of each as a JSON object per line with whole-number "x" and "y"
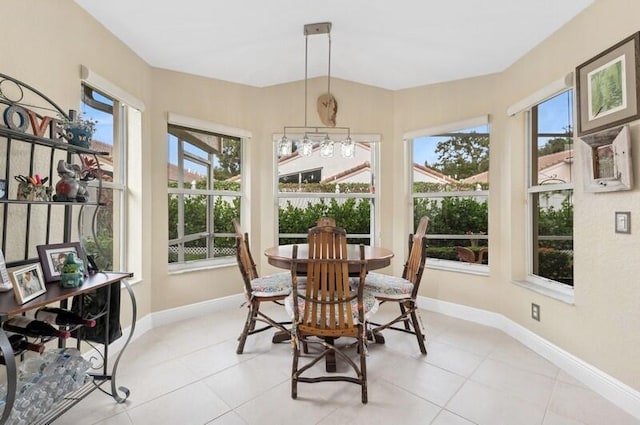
{"x": 324, "y": 137}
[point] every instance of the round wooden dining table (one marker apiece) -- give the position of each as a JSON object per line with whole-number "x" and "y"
{"x": 375, "y": 257}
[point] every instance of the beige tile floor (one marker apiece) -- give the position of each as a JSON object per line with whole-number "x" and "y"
{"x": 188, "y": 373}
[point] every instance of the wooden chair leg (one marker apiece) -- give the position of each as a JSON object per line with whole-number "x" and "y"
{"x": 248, "y": 325}
{"x": 256, "y": 307}
{"x": 418, "y": 332}
{"x": 363, "y": 371}
{"x": 294, "y": 371}
{"x": 403, "y": 310}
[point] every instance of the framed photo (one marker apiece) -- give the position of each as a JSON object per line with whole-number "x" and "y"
{"x": 607, "y": 87}
{"x": 28, "y": 283}
{"x": 52, "y": 258}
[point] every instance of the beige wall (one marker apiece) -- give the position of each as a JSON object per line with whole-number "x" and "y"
{"x": 45, "y": 42}
{"x": 601, "y": 328}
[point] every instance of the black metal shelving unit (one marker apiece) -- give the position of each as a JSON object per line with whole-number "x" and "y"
{"x": 25, "y": 148}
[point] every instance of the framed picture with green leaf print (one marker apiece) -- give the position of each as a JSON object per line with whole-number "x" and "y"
{"x": 607, "y": 87}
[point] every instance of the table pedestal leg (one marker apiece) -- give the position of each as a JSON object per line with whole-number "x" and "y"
{"x": 330, "y": 358}
{"x": 377, "y": 337}
{"x": 281, "y": 336}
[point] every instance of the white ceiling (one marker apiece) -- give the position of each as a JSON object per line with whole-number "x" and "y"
{"x": 388, "y": 44}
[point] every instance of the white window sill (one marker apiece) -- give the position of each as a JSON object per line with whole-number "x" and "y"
{"x": 549, "y": 289}
{"x": 458, "y": 267}
{"x": 197, "y": 266}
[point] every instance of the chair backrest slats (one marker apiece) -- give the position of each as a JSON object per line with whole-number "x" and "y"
{"x": 417, "y": 254}
{"x": 244, "y": 258}
{"x": 328, "y": 294}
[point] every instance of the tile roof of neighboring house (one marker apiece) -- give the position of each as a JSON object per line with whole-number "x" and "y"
{"x": 106, "y": 161}
{"x": 367, "y": 166}
{"x": 544, "y": 162}
{"x": 172, "y": 174}
{"x": 477, "y": 178}
{"x": 547, "y": 161}
{"x": 346, "y": 173}
{"x": 434, "y": 173}
{"x": 99, "y": 146}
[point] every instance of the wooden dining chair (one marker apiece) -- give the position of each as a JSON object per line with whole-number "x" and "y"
{"x": 326, "y": 308}
{"x": 468, "y": 256}
{"x": 403, "y": 290}
{"x": 257, "y": 290}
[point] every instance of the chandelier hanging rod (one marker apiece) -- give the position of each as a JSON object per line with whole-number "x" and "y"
{"x": 314, "y": 29}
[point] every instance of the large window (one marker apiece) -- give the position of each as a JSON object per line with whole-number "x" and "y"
{"x": 205, "y": 194}
{"x": 550, "y": 190}
{"x": 313, "y": 186}
{"x": 450, "y": 185}
{"x": 103, "y": 229}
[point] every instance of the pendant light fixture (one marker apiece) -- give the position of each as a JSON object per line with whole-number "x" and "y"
{"x": 324, "y": 136}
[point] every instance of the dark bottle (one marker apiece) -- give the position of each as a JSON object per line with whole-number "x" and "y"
{"x": 35, "y": 328}
{"x": 60, "y": 316}
{"x": 19, "y": 343}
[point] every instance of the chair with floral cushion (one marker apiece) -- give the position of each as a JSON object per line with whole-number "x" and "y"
{"x": 326, "y": 309}
{"x": 257, "y": 290}
{"x": 403, "y": 290}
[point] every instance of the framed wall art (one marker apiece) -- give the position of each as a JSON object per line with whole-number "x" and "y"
{"x": 607, "y": 87}
{"x": 607, "y": 160}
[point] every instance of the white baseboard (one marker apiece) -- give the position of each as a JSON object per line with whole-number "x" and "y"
{"x": 166, "y": 317}
{"x": 607, "y": 386}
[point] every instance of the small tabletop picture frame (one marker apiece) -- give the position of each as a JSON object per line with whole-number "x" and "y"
{"x": 28, "y": 283}
{"x": 608, "y": 93}
{"x": 52, "y": 257}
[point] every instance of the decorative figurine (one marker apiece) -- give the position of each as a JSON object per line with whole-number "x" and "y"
{"x": 72, "y": 275}
{"x": 70, "y": 187}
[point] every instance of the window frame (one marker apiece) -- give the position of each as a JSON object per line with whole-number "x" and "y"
{"x": 453, "y": 127}
{"x": 373, "y": 140}
{"x": 542, "y": 284}
{"x": 224, "y": 131}
{"x": 120, "y": 207}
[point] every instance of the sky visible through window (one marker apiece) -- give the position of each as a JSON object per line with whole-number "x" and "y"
{"x": 553, "y": 118}
{"x": 104, "y": 126}
{"x": 424, "y": 148}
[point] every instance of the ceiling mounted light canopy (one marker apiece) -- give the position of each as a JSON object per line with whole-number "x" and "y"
{"x": 324, "y": 136}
